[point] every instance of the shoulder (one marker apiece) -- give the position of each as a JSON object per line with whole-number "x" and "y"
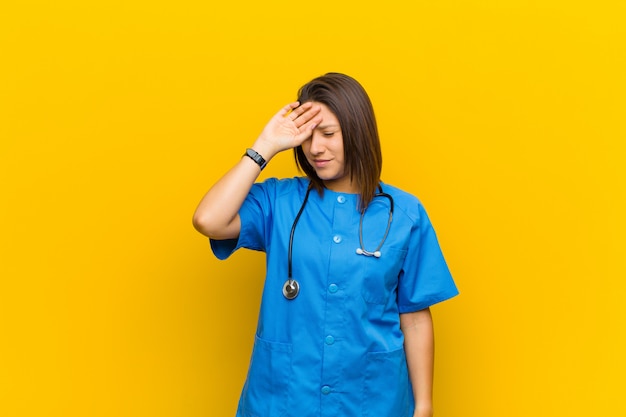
{"x": 276, "y": 187}
{"x": 405, "y": 203}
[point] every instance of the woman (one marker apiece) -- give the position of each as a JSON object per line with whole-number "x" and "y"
{"x": 352, "y": 265}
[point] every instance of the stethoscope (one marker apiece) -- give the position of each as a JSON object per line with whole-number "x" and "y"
{"x": 291, "y": 288}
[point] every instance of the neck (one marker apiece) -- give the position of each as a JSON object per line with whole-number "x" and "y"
{"x": 342, "y": 186}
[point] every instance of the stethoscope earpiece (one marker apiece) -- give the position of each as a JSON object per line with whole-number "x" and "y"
{"x": 375, "y": 254}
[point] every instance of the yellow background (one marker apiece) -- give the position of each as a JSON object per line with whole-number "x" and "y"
{"x": 505, "y": 117}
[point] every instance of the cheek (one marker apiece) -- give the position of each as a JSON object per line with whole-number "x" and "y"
{"x": 339, "y": 145}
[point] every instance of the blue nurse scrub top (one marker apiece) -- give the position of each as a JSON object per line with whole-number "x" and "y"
{"x": 337, "y": 348}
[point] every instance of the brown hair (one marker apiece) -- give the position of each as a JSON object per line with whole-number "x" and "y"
{"x": 348, "y": 100}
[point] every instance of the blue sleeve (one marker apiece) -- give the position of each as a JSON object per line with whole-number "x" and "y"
{"x": 425, "y": 278}
{"x": 256, "y": 217}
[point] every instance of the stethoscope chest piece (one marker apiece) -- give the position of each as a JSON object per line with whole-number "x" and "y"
{"x": 291, "y": 288}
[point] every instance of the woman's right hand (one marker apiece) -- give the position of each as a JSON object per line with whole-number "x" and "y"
{"x": 217, "y": 215}
{"x": 291, "y": 126}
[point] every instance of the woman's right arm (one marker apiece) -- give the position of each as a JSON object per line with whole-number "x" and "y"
{"x": 217, "y": 215}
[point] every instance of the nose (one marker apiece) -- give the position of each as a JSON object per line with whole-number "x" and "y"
{"x": 316, "y": 145}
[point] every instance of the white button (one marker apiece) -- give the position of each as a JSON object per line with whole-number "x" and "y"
{"x": 337, "y": 239}
{"x": 341, "y": 199}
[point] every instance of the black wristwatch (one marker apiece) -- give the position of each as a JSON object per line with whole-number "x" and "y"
{"x": 256, "y": 157}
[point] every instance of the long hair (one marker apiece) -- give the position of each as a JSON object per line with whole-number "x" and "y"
{"x": 349, "y": 101}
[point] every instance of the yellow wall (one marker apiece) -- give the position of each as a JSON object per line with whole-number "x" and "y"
{"x": 505, "y": 117}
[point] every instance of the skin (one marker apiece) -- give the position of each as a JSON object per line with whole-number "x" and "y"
{"x": 317, "y": 129}
{"x": 419, "y": 344}
{"x": 217, "y": 215}
{"x": 324, "y": 151}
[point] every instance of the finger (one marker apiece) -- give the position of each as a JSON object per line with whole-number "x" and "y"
{"x": 300, "y": 110}
{"x": 286, "y": 111}
{"x": 307, "y": 114}
{"x": 307, "y": 129}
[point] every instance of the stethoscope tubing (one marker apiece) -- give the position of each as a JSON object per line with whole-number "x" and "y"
{"x": 291, "y": 288}
{"x": 293, "y": 231}
{"x": 376, "y": 252}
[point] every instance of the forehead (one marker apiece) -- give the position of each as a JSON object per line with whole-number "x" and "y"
{"x": 328, "y": 117}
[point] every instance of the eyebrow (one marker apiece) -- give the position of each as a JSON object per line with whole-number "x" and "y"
{"x": 322, "y": 127}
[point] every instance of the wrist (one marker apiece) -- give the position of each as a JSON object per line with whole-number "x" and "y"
{"x": 265, "y": 147}
{"x": 423, "y": 410}
{"x": 256, "y": 157}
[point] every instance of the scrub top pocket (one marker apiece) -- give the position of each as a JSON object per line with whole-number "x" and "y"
{"x": 380, "y": 275}
{"x": 387, "y": 391}
{"x": 266, "y": 391}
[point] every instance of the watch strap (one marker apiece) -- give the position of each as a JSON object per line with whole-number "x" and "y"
{"x": 256, "y": 157}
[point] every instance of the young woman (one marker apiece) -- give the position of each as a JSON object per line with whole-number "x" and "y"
{"x": 352, "y": 265}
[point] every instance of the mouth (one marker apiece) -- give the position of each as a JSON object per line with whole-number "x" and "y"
{"x": 321, "y": 163}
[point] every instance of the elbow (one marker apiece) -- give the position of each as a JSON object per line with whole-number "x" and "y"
{"x": 212, "y": 227}
{"x": 203, "y": 224}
